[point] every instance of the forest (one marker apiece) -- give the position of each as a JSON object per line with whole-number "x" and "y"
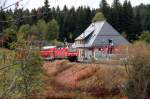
{"x": 55, "y": 24}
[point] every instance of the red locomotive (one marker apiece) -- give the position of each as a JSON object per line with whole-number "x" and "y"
{"x": 53, "y": 52}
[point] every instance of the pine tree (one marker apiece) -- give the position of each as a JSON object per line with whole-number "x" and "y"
{"x": 129, "y": 22}
{"x": 2, "y": 18}
{"x": 147, "y": 23}
{"x": 34, "y": 17}
{"x": 138, "y": 24}
{"x": 46, "y": 11}
{"x": 65, "y": 26}
{"x": 104, "y": 7}
{"x": 18, "y": 16}
{"x": 27, "y": 20}
{"x": 116, "y": 15}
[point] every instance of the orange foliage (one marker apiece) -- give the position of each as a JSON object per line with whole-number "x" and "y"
{"x": 21, "y": 55}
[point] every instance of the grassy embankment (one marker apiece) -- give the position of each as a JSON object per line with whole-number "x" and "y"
{"x": 84, "y": 80}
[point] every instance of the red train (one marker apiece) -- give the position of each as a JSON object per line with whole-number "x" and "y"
{"x": 53, "y": 52}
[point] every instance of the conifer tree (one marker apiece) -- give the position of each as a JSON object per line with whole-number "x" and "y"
{"x": 138, "y": 24}
{"x": 116, "y": 15}
{"x": 128, "y": 20}
{"x": 46, "y": 10}
{"x": 104, "y": 7}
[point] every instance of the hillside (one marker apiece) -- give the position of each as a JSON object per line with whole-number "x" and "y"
{"x": 77, "y": 79}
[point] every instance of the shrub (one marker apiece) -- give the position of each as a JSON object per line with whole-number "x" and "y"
{"x": 145, "y": 36}
{"x": 138, "y": 69}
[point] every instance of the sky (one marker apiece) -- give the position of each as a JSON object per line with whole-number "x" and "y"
{"x": 54, "y": 3}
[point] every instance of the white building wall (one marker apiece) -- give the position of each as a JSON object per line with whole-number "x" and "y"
{"x": 88, "y": 54}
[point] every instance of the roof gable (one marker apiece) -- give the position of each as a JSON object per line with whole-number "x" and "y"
{"x": 91, "y": 29}
{"x": 102, "y": 32}
{"x": 107, "y": 33}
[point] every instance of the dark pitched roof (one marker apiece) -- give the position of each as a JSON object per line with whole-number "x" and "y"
{"x": 100, "y": 33}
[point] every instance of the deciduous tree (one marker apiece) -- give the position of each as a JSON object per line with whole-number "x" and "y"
{"x": 53, "y": 30}
{"x": 145, "y": 36}
{"x": 42, "y": 28}
{"x": 98, "y": 17}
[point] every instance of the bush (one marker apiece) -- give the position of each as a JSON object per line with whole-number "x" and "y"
{"x": 138, "y": 68}
{"x": 145, "y": 36}
{"x": 107, "y": 80}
